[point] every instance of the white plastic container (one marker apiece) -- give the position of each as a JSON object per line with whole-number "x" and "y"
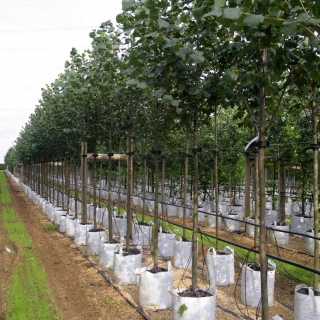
{"x": 125, "y": 267}
{"x": 310, "y": 242}
{"x": 70, "y": 226}
{"x": 182, "y": 254}
{"x": 80, "y": 235}
{"x": 306, "y": 306}
{"x": 191, "y": 308}
{"x": 106, "y": 254}
{"x": 279, "y": 237}
{"x": 94, "y": 239}
{"x": 251, "y": 284}
{"x": 166, "y": 244}
{"x": 220, "y": 267}
{"x": 154, "y": 288}
{"x": 142, "y": 234}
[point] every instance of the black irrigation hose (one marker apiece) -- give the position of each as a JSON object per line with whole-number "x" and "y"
{"x": 139, "y": 309}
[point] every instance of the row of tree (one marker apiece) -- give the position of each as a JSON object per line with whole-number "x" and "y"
{"x": 172, "y": 71}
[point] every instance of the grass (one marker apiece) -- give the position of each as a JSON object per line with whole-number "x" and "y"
{"x": 28, "y": 295}
{"x": 4, "y": 192}
{"x": 50, "y": 227}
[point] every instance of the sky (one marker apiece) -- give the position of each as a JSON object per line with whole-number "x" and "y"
{"x": 36, "y": 37}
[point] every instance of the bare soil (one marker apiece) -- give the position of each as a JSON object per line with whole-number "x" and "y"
{"x": 81, "y": 291}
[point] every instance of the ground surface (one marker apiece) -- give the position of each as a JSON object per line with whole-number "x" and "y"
{"x": 81, "y": 292}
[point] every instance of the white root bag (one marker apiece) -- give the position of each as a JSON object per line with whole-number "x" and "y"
{"x": 251, "y": 285}
{"x": 220, "y": 267}
{"x": 70, "y": 226}
{"x": 279, "y": 237}
{"x": 119, "y": 225}
{"x": 106, "y": 254}
{"x": 141, "y": 234}
{"x": 182, "y": 255}
{"x": 306, "y": 307}
{"x": 166, "y": 243}
{"x": 62, "y": 225}
{"x": 194, "y": 308}
{"x": 80, "y": 235}
{"x": 124, "y": 268}
{"x": 154, "y": 288}
{"x": 94, "y": 240}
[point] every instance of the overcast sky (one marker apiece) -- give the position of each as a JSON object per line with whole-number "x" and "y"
{"x": 36, "y": 37}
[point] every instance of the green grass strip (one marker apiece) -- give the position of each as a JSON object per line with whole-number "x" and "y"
{"x": 4, "y": 192}
{"x": 29, "y": 295}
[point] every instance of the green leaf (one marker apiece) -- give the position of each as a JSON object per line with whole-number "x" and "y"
{"x": 289, "y": 27}
{"x": 152, "y": 34}
{"x": 142, "y": 85}
{"x": 154, "y": 14}
{"x": 229, "y": 76}
{"x": 182, "y": 52}
{"x": 162, "y": 23}
{"x": 314, "y": 21}
{"x": 219, "y": 3}
{"x": 198, "y": 13}
{"x": 175, "y": 103}
{"x": 253, "y": 19}
{"x": 127, "y": 4}
{"x": 120, "y": 18}
{"x": 170, "y": 42}
{"x": 302, "y": 17}
{"x": 197, "y": 57}
{"x": 167, "y": 98}
{"x": 132, "y": 82}
{"x": 232, "y": 13}
{"x": 274, "y": 11}
{"x": 216, "y": 12}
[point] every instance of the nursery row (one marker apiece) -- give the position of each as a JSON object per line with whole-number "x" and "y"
{"x": 127, "y": 268}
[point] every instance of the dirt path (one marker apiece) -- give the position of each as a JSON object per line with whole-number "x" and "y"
{"x": 79, "y": 291}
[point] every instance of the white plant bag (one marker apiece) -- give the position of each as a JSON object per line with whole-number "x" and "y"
{"x": 182, "y": 254}
{"x": 154, "y": 288}
{"x": 125, "y": 267}
{"x": 250, "y": 228}
{"x": 57, "y": 215}
{"x": 310, "y": 243}
{"x": 105, "y": 217}
{"x": 119, "y": 225}
{"x": 306, "y": 307}
{"x": 62, "y": 225}
{"x": 251, "y": 285}
{"x": 194, "y": 308}
{"x": 94, "y": 240}
{"x": 166, "y": 243}
{"x": 220, "y": 267}
{"x": 106, "y": 254}
{"x": 279, "y": 237}
{"x": 80, "y": 235}
{"x": 70, "y": 226}
{"x": 142, "y": 234}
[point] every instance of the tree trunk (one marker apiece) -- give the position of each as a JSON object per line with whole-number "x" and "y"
{"x": 195, "y": 204}
{"x": 315, "y": 187}
{"x": 84, "y": 181}
{"x": 262, "y": 195}
{"x": 185, "y": 188}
